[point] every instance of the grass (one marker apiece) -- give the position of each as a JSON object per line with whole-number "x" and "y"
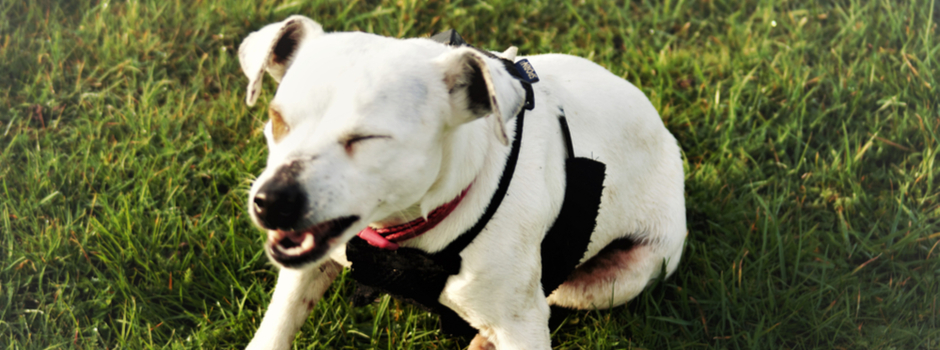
{"x": 809, "y": 133}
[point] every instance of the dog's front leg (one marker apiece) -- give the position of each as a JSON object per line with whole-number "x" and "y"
{"x": 523, "y": 328}
{"x": 511, "y": 323}
{"x": 505, "y": 303}
{"x": 296, "y": 293}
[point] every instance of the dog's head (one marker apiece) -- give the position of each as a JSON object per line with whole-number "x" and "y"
{"x": 359, "y": 127}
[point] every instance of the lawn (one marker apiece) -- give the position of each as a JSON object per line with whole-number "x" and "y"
{"x": 809, "y": 133}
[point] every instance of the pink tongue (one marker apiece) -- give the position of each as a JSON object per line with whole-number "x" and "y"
{"x": 376, "y": 240}
{"x": 297, "y": 236}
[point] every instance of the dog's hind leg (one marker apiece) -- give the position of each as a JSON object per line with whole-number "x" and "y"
{"x": 296, "y": 293}
{"x": 615, "y": 275}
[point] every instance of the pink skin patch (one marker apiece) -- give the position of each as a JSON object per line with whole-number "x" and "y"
{"x": 604, "y": 267}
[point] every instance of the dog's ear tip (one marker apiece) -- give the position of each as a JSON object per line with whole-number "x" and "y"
{"x": 499, "y": 127}
{"x": 504, "y": 140}
{"x": 254, "y": 87}
{"x": 510, "y": 53}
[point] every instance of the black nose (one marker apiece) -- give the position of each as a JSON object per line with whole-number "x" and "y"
{"x": 280, "y": 203}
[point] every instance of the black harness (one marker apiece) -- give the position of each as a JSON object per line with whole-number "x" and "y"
{"x": 419, "y": 277}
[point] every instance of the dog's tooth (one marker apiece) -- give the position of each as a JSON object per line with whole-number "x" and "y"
{"x": 294, "y": 251}
{"x": 308, "y": 242}
{"x": 275, "y": 235}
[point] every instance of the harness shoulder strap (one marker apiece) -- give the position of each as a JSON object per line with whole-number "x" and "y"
{"x": 566, "y": 241}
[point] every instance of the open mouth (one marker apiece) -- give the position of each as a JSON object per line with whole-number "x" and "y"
{"x": 295, "y": 248}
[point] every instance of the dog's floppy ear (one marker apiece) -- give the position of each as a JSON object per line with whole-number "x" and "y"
{"x": 272, "y": 49}
{"x": 479, "y": 85}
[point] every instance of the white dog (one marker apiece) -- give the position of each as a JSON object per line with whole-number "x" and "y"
{"x": 420, "y": 149}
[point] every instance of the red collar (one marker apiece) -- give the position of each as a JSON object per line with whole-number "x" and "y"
{"x": 389, "y": 237}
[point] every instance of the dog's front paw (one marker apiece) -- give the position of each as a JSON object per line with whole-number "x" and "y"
{"x": 263, "y": 342}
{"x": 258, "y": 345}
{"x": 480, "y": 343}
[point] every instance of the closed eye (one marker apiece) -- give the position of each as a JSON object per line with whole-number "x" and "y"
{"x": 351, "y": 140}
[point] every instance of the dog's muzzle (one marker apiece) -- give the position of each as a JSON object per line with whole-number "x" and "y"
{"x": 280, "y": 207}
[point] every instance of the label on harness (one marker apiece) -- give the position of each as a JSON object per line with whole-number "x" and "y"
{"x": 528, "y": 73}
